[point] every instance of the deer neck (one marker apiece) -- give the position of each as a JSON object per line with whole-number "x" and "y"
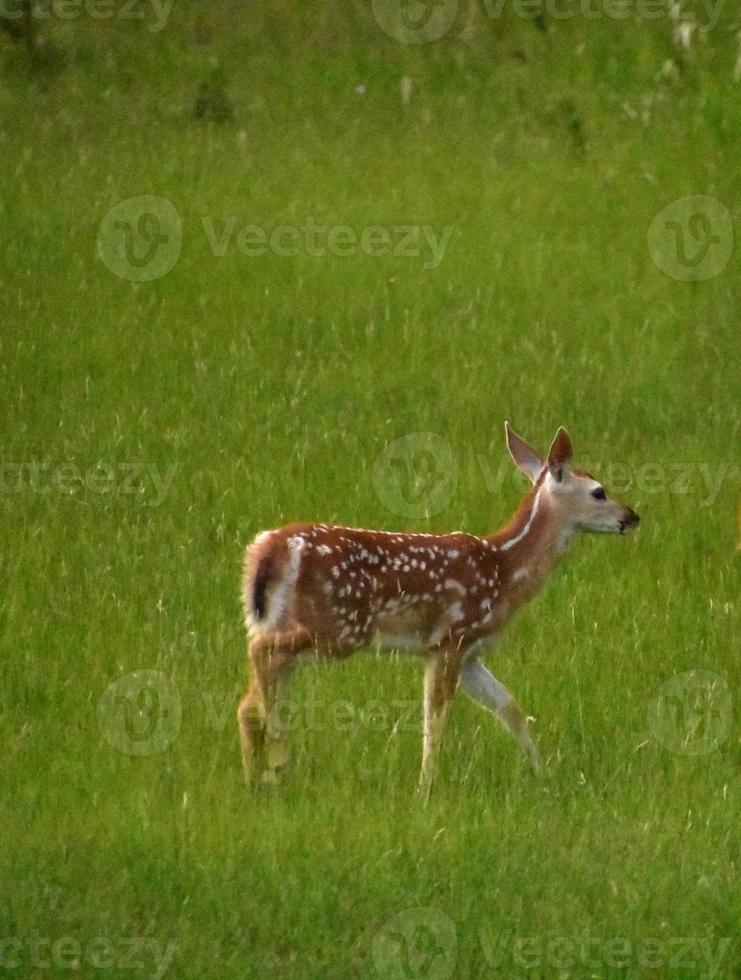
{"x": 530, "y": 544}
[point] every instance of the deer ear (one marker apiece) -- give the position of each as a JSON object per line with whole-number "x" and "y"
{"x": 559, "y": 455}
{"x": 524, "y": 456}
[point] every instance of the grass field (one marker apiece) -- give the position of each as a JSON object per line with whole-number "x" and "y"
{"x": 150, "y": 428}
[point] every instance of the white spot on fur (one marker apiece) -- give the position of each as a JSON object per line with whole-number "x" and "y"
{"x": 455, "y": 612}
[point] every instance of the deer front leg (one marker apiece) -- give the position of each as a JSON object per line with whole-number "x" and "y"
{"x": 441, "y": 680}
{"x": 481, "y": 686}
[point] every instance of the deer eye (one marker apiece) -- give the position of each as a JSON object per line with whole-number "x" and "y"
{"x": 599, "y": 494}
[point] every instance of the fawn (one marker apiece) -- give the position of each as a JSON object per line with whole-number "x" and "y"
{"x": 330, "y": 590}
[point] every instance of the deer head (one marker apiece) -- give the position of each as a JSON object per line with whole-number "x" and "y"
{"x": 576, "y": 497}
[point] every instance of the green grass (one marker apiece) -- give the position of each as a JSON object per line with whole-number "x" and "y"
{"x": 268, "y": 387}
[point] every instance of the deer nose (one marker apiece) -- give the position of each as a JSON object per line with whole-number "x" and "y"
{"x": 631, "y": 518}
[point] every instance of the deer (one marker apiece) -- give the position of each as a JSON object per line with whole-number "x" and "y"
{"x": 326, "y": 591}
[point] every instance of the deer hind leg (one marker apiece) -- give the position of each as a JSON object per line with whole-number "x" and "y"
{"x": 441, "y": 681}
{"x": 481, "y": 686}
{"x": 272, "y": 658}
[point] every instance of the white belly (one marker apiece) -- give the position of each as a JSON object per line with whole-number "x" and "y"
{"x": 410, "y": 642}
